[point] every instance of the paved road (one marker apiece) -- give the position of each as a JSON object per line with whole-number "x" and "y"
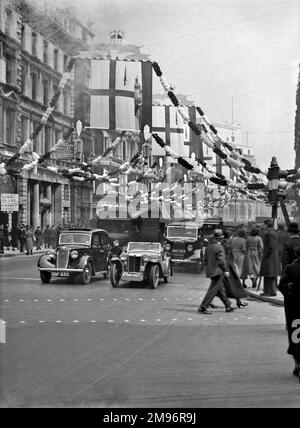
{"x": 74, "y": 345}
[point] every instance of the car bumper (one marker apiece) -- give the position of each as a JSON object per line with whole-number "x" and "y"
{"x": 188, "y": 261}
{"x": 138, "y": 276}
{"x": 60, "y": 270}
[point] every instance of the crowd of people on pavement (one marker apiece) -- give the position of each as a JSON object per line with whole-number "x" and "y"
{"x": 24, "y": 238}
{"x": 265, "y": 253}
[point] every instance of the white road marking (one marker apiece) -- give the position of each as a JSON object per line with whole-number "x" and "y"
{"x": 49, "y": 300}
{"x": 102, "y": 300}
{"x": 140, "y": 298}
{"x": 111, "y": 321}
{"x": 93, "y": 321}
{"x": 89, "y": 300}
{"x": 126, "y": 320}
{"x": 22, "y": 322}
{"x": 75, "y": 300}
{"x": 115, "y": 299}
{"x": 41, "y": 321}
{"x": 143, "y": 320}
{"x": 19, "y": 279}
{"x": 75, "y": 321}
{"x": 158, "y": 320}
{"x": 35, "y": 300}
{"x": 190, "y": 319}
{"x": 62, "y": 300}
{"x": 58, "y": 321}
{"x": 21, "y": 300}
{"x": 6, "y": 300}
{"x": 174, "y": 319}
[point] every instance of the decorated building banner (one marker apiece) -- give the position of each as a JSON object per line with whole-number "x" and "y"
{"x": 113, "y": 94}
{"x": 169, "y": 125}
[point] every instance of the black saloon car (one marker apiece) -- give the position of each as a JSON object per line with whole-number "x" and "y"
{"x": 80, "y": 253}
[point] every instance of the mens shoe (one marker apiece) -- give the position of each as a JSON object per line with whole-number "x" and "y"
{"x": 231, "y": 309}
{"x": 204, "y": 311}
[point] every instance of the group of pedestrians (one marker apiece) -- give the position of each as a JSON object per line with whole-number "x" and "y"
{"x": 24, "y": 238}
{"x": 268, "y": 254}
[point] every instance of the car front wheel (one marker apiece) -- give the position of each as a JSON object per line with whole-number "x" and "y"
{"x": 86, "y": 274}
{"x": 115, "y": 275}
{"x": 154, "y": 276}
{"x": 45, "y": 277}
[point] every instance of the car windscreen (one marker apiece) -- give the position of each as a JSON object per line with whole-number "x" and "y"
{"x": 144, "y": 246}
{"x": 75, "y": 238}
{"x": 182, "y": 232}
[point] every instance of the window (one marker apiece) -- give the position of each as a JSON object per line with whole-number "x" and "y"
{"x": 45, "y": 92}
{"x": 34, "y": 79}
{"x": 24, "y": 128}
{"x": 103, "y": 239}
{"x": 56, "y": 59}
{"x": 45, "y": 55}
{"x": 10, "y": 69}
{"x": 66, "y": 192}
{"x": 23, "y": 78}
{"x": 96, "y": 241}
{"x": 55, "y": 89}
{"x": 9, "y": 126}
{"x": 48, "y": 142}
{"x": 33, "y": 43}
{"x": 23, "y": 36}
{"x": 65, "y": 62}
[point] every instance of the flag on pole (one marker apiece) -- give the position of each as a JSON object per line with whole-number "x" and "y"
{"x": 120, "y": 94}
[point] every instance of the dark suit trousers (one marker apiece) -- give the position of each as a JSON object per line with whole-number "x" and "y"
{"x": 216, "y": 288}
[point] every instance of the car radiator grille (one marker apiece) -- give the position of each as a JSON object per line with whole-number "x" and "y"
{"x": 62, "y": 258}
{"x": 134, "y": 264}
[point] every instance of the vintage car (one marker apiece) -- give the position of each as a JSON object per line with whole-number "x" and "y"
{"x": 141, "y": 261}
{"x": 183, "y": 242}
{"x": 80, "y": 252}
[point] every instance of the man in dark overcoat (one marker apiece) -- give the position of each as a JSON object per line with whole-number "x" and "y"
{"x": 215, "y": 269}
{"x": 288, "y": 253}
{"x": 270, "y": 261}
{"x": 289, "y": 286}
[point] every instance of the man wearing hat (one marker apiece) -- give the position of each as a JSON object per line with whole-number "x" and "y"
{"x": 288, "y": 252}
{"x": 215, "y": 270}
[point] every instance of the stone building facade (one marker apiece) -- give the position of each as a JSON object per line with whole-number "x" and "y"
{"x": 36, "y": 43}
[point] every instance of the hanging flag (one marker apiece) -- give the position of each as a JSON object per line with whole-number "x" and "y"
{"x": 119, "y": 93}
{"x": 170, "y": 127}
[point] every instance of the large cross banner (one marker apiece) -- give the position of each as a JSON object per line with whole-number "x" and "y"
{"x": 169, "y": 125}
{"x": 119, "y": 94}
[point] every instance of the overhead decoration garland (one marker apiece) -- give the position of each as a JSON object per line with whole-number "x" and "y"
{"x": 27, "y": 146}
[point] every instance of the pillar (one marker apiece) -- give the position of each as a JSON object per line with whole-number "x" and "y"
{"x": 36, "y": 206}
{"x": 49, "y": 211}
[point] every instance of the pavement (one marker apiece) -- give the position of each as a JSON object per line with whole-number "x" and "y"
{"x": 11, "y": 253}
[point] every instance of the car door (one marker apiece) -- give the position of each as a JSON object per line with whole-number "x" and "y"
{"x": 104, "y": 250}
{"x": 96, "y": 251}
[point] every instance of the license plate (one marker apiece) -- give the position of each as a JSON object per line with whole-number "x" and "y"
{"x": 65, "y": 274}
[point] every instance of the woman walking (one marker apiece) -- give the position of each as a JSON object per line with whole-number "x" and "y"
{"x": 38, "y": 238}
{"x": 238, "y": 248}
{"x": 29, "y": 240}
{"x": 254, "y": 254}
{"x": 232, "y": 283}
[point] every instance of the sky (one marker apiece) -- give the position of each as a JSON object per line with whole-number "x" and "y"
{"x": 237, "y": 59}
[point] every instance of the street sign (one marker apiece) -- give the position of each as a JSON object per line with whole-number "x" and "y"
{"x": 9, "y": 202}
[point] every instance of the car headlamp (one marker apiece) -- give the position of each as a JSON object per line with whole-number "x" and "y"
{"x": 74, "y": 254}
{"x": 123, "y": 257}
{"x": 168, "y": 247}
{"x": 146, "y": 259}
{"x": 190, "y": 247}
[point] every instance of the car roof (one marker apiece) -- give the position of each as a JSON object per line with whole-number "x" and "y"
{"x": 84, "y": 230}
{"x": 187, "y": 224}
{"x": 144, "y": 242}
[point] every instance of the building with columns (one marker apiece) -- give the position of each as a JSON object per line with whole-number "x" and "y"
{"x": 36, "y": 43}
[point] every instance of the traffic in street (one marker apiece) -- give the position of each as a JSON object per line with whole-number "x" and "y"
{"x": 74, "y": 344}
